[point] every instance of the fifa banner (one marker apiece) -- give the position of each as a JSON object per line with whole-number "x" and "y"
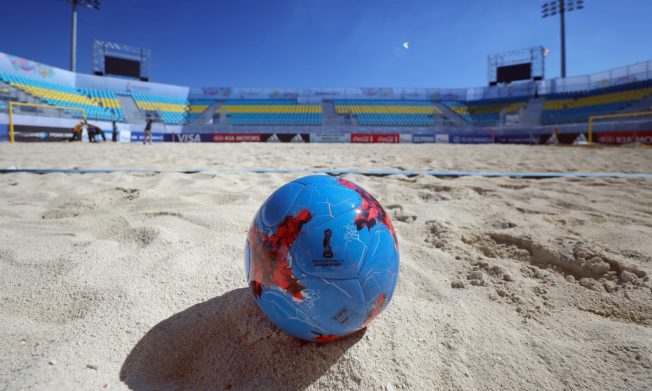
{"x": 640, "y": 137}
{"x": 518, "y": 139}
{"x": 330, "y": 138}
{"x": 429, "y": 138}
{"x": 471, "y": 139}
{"x": 139, "y": 137}
{"x": 29, "y": 133}
{"x": 375, "y": 138}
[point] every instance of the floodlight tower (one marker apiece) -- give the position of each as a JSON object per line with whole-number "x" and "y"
{"x": 95, "y": 4}
{"x": 550, "y": 8}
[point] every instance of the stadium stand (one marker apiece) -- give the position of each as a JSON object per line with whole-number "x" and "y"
{"x": 59, "y": 95}
{"x": 486, "y": 112}
{"x": 528, "y": 105}
{"x": 389, "y": 112}
{"x": 172, "y": 110}
{"x": 579, "y": 106}
{"x": 198, "y": 106}
{"x": 270, "y": 112}
{"x": 106, "y": 99}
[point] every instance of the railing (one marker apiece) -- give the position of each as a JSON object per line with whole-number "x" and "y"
{"x": 617, "y": 76}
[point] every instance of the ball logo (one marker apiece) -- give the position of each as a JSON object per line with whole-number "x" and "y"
{"x": 328, "y": 251}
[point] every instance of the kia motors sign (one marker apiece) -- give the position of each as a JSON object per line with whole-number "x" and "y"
{"x": 237, "y": 137}
{"x": 639, "y": 137}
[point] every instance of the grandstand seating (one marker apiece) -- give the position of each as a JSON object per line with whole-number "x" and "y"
{"x": 59, "y": 95}
{"x": 172, "y": 110}
{"x": 106, "y": 99}
{"x": 420, "y": 111}
{"x": 270, "y": 112}
{"x": 579, "y": 106}
{"x": 486, "y": 112}
{"x": 198, "y": 106}
{"x": 389, "y": 112}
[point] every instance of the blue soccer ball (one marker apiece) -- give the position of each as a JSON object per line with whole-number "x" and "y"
{"x": 321, "y": 258}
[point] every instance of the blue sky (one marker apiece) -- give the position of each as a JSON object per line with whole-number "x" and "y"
{"x": 330, "y": 43}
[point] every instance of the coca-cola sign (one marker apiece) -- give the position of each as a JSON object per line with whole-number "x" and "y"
{"x": 375, "y": 138}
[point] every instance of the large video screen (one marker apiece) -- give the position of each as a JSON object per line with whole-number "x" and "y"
{"x": 510, "y": 73}
{"x": 121, "y": 67}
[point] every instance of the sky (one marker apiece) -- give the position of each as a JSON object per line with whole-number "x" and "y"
{"x": 330, "y": 43}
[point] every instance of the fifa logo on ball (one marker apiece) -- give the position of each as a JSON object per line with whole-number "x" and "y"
{"x": 328, "y": 251}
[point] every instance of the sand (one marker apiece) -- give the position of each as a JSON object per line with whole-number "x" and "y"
{"x": 116, "y": 281}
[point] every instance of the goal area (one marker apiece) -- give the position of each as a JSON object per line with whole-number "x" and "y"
{"x": 35, "y": 110}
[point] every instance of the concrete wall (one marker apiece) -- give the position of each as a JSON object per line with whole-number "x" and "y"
{"x": 34, "y": 70}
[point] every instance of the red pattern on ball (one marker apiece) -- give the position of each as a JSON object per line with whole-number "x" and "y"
{"x": 371, "y": 212}
{"x": 269, "y": 266}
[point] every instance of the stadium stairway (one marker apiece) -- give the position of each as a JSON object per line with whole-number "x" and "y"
{"x": 328, "y": 111}
{"x": 206, "y": 117}
{"x": 132, "y": 113}
{"x": 531, "y": 115}
{"x": 450, "y": 115}
{"x": 5, "y": 97}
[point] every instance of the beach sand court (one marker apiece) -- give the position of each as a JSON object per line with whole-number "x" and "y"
{"x": 136, "y": 280}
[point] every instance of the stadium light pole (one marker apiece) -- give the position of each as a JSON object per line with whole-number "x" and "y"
{"x": 95, "y": 4}
{"x": 551, "y": 8}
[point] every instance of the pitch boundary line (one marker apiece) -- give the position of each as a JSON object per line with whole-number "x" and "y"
{"x": 511, "y": 174}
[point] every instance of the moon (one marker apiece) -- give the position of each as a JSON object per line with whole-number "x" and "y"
{"x": 406, "y": 45}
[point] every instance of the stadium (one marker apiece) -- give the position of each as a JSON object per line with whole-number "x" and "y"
{"x": 43, "y": 103}
{"x": 140, "y": 190}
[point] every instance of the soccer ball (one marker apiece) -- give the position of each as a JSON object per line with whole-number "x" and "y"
{"x": 321, "y": 258}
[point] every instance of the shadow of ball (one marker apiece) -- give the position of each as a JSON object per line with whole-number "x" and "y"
{"x": 226, "y": 343}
